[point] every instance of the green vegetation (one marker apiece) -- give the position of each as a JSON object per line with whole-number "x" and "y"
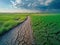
{"x": 46, "y": 29}
{"x": 9, "y": 21}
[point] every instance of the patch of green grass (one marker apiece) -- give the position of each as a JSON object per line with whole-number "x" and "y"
{"x": 46, "y": 29}
{"x": 8, "y": 21}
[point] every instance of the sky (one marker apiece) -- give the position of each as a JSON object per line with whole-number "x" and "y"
{"x": 29, "y": 5}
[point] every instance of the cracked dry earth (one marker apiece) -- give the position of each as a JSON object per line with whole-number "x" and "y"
{"x": 20, "y": 35}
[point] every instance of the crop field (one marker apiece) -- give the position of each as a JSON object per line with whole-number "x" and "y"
{"x": 9, "y": 21}
{"x": 46, "y": 29}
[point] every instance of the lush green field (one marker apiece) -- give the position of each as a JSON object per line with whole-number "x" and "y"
{"x": 46, "y": 29}
{"x": 8, "y": 21}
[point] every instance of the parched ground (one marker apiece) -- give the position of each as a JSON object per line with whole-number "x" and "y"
{"x": 20, "y": 35}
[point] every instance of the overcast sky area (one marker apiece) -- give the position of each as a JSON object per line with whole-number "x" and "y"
{"x": 29, "y": 5}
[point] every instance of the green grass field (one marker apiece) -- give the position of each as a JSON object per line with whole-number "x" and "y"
{"x": 8, "y": 21}
{"x": 46, "y": 29}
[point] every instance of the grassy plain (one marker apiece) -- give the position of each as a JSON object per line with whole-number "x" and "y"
{"x": 46, "y": 29}
{"x": 8, "y": 21}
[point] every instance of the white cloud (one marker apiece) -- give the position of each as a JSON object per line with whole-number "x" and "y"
{"x": 18, "y": 1}
{"x": 17, "y": 11}
{"x": 29, "y": 4}
{"x": 34, "y": 4}
{"x": 14, "y": 3}
{"x": 41, "y": 2}
{"x": 47, "y": 2}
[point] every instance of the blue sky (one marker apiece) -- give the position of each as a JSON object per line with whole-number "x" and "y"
{"x": 4, "y": 3}
{"x": 29, "y": 5}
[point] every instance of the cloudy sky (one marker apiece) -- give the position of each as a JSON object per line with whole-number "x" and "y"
{"x": 28, "y": 5}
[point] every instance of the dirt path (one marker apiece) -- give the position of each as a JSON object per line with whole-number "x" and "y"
{"x": 20, "y": 35}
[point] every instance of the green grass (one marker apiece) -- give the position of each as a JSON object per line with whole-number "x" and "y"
{"x": 46, "y": 29}
{"x": 8, "y": 21}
